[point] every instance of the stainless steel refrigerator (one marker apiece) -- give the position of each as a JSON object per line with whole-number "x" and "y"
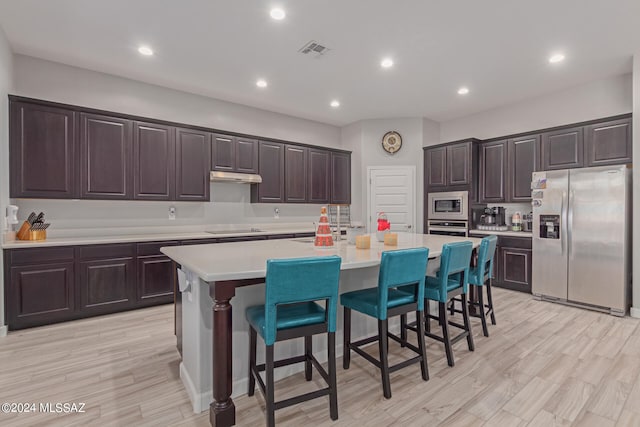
{"x": 581, "y": 237}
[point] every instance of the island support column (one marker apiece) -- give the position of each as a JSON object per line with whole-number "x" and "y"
{"x": 222, "y": 411}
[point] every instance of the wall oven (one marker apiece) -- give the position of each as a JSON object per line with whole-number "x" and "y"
{"x": 447, "y": 228}
{"x": 449, "y": 205}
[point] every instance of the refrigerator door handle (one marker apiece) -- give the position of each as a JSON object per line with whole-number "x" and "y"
{"x": 570, "y": 221}
{"x": 563, "y": 222}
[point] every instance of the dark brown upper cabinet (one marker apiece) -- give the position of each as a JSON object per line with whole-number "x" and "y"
{"x": 43, "y": 150}
{"x": 234, "y": 154}
{"x": 223, "y": 153}
{"x": 523, "y": 161}
{"x": 105, "y": 157}
{"x": 65, "y": 151}
{"x": 493, "y": 167}
{"x": 563, "y": 149}
{"x": 193, "y": 163}
{"x": 295, "y": 167}
{"x": 271, "y": 167}
{"x": 154, "y": 156}
{"x": 608, "y": 143}
{"x": 340, "y": 178}
{"x": 459, "y": 164}
{"x": 451, "y": 167}
{"x": 435, "y": 160}
{"x": 246, "y": 155}
{"x": 319, "y": 176}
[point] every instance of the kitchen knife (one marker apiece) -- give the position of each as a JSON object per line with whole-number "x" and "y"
{"x": 32, "y": 217}
{"x": 40, "y": 218}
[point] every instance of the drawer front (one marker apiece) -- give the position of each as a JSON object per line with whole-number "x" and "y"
{"x": 198, "y": 242}
{"x": 125, "y": 250}
{"x": 153, "y": 248}
{"x": 40, "y": 255}
{"x": 515, "y": 242}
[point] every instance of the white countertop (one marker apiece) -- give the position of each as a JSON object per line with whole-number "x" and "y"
{"x": 523, "y": 234}
{"x": 247, "y": 260}
{"x": 151, "y": 237}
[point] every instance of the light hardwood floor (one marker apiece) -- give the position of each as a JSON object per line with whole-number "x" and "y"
{"x": 544, "y": 365}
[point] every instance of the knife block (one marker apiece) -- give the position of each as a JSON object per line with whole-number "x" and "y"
{"x": 25, "y": 233}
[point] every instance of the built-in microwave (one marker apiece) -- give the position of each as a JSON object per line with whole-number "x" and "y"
{"x": 449, "y": 205}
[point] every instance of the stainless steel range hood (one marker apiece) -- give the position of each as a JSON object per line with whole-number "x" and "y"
{"x": 242, "y": 178}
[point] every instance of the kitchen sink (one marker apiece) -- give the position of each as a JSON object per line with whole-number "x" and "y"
{"x": 241, "y": 231}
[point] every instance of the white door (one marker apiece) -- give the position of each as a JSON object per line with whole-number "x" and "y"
{"x": 392, "y": 191}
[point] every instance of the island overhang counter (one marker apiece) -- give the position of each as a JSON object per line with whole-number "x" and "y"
{"x": 214, "y": 364}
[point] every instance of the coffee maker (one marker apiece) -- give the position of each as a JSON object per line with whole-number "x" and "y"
{"x": 492, "y": 217}
{"x": 499, "y": 214}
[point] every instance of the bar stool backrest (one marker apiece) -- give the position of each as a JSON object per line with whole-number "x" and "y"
{"x": 455, "y": 259}
{"x": 485, "y": 257}
{"x": 295, "y": 280}
{"x": 398, "y": 268}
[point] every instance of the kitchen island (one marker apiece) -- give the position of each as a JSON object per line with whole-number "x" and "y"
{"x": 214, "y": 365}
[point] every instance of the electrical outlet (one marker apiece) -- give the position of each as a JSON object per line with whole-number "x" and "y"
{"x": 276, "y": 213}
{"x": 172, "y": 213}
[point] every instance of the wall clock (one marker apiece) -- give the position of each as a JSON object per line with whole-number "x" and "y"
{"x": 392, "y": 142}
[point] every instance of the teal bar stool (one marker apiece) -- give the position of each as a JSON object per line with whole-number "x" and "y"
{"x": 452, "y": 281}
{"x": 480, "y": 276}
{"x": 405, "y": 267}
{"x": 290, "y": 311}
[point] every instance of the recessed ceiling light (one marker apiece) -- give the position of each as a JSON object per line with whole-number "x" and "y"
{"x": 335, "y": 103}
{"x": 261, "y": 83}
{"x": 386, "y": 63}
{"x": 555, "y": 58}
{"x": 145, "y": 50}
{"x": 278, "y": 14}
{"x": 463, "y": 90}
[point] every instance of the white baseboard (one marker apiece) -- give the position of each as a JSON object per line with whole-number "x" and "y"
{"x": 635, "y": 312}
{"x": 3, "y": 331}
{"x": 200, "y": 401}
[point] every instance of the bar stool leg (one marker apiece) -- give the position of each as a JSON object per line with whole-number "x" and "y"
{"x": 271, "y": 416}
{"x": 483, "y": 315}
{"x": 427, "y": 316}
{"x": 308, "y": 353}
{"x": 421, "y": 345}
{"x": 252, "y": 360}
{"x": 346, "y": 341}
{"x": 444, "y": 321}
{"x": 333, "y": 393}
{"x": 403, "y": 329}
{"x": 384, "y": 362}
{"x": 467, "y": 323}
{"x": 490, "y": 301}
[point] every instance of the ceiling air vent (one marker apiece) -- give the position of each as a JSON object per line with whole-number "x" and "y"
{"x": 314, "y": 48}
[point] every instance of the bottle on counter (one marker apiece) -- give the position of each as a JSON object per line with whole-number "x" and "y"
{"x": 516, "y": 222}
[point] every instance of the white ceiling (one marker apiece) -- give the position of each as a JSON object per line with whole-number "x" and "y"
{"x": 219, "y": 48}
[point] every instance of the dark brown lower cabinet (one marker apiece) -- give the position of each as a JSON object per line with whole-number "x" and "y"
{"x": 56, "y": 284}
{"x": 512, "y": 263}
{"x": 513, "y": 256}
{"x": 156, "y": 280}
{"x": 40, "y": 294}
{"x": 107, "y": 286}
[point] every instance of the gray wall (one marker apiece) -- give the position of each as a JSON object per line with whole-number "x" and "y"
{"x": 594, "y": 100}
{"x": 6, "y": 70}
{"x": 597, "y": 99}
{"x": 364, "y": 139}
{"x": 635, "y": 311}
{"x": 53, "y": 81}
